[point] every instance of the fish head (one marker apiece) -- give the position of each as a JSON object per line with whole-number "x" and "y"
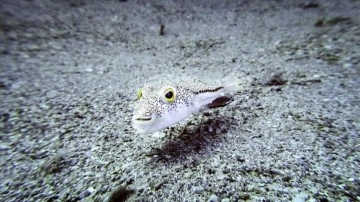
{"x": 161, "y": 105}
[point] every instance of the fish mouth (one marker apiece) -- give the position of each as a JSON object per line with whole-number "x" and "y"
{"x": 142, "y": 119}
{"x": 142, "y": 123}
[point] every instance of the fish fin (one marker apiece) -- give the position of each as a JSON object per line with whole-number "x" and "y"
{"x": 231, "y": 84}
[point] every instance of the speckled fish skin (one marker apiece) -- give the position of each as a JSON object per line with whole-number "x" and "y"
{"x": 152, "y": 113}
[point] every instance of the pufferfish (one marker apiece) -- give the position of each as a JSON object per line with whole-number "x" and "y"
{"x": 165, "y": 102}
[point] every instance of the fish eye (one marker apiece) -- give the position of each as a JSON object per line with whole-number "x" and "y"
{"x": 169, "y": 95}
{"x": 139, "y": 94}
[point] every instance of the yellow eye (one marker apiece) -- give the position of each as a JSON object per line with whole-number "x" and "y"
{"x": 139, "y": 94}
{"x": 169, "y": 95}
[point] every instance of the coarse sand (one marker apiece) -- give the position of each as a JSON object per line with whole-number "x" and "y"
{"x": 69, "y": 74}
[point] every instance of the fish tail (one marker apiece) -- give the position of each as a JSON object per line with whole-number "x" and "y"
{"x": 231, "y": 84}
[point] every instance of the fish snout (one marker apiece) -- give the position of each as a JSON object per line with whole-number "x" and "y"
{"x": 142, "y": 118}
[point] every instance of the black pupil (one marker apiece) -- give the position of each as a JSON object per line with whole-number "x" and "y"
{"x": 169, "y": 95}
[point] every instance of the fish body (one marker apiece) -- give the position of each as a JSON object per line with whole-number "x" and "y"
{"x": 165, "y": 102}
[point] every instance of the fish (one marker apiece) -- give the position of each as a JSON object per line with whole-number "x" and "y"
{"x": 164, "y": 102}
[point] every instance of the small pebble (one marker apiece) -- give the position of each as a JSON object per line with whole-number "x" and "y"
{"x": 213, "y": 198}
{"x": 86, "y": 193}
{"x": 198, "y": 189}
{"x": 301, "y": 197}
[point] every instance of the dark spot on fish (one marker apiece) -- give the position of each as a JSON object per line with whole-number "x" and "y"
{"x": 220, "y": 101}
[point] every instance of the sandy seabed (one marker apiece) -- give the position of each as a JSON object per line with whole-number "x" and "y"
{"x": 70, "y": 71}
